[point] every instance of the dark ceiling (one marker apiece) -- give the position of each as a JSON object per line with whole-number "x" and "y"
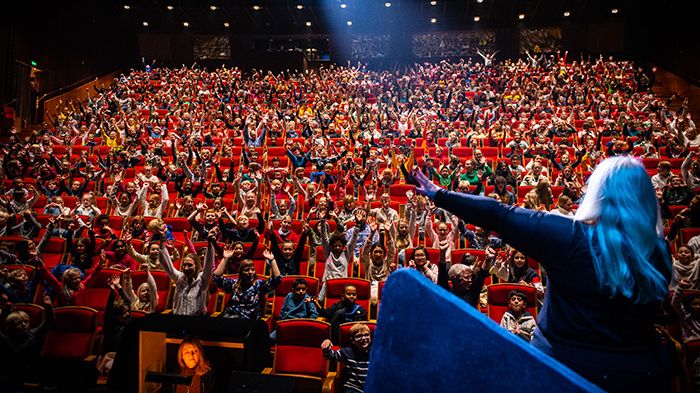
{"x": 325, "y": 16}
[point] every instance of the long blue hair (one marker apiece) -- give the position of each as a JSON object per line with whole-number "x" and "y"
{"x": 625, "y": 231}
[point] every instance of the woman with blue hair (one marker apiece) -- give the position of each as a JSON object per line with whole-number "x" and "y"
{"x": 608, "y": 272}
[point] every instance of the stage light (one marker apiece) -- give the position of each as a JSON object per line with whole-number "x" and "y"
{"x": 308, "y": 24}
{"x": 433, "y": 20}
{"x": 349, "y": 23}
{"x": 213, "y": 8}
{"x": 567, "y": 13}
{"x": 614, "y": 10}
{"x": 257, "y": 7}
{"x": 300, "y": 6}
{"x": 477, "y": 18}
{"x": 521, "y": 16}
{"x": 186, "y": 24}
{"x": 126, "y": 7}
{"x": 387, "y": 4}
{"x": 343, "y": 6}
{"x": 433, "y": 2}
{"x": 145, "y": 24}
{"x": 226, "y": 24}
{"x": 170, "y": 8}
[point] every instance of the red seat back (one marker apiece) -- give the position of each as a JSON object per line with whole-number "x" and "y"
{"x": 498, "y": 299}
{"x": 72, "y": 333}
{"x": 335, "y": 286}
{"x": 298, "y": 349}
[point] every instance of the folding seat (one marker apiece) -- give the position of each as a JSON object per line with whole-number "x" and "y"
{"x": 335, "y": 286}
{"x": 463, "y": 152}
{"x": 688, "y": 233}
{"x": 163, "y": 286}
{"x": 40, "y": 203}
{"x": 458, "y": 255}
{"x": 320, "y": 264}
{"x": 69, "y": 347}
{"x": 397, "y": 192}
{"x": 178, "y": 225}
{"x": 53, "y": 251}
{"x": 97, "y": 295}
{"x": 70, "y": 201}
{"x": 497, "y": 295}
{"x": 298, "y": 354}
{"x": 281, "y": 292}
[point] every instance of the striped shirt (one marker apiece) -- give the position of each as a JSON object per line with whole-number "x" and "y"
{"x": 356, "y": 365}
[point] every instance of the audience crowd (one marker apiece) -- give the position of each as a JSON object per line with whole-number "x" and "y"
{"x": 174, "y": 187}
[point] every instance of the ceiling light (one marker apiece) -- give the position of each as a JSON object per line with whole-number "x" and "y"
{"x": 479, "y": 1}
{"x": 170, "y": 8}
{"x": 343, "y": 6}
{"x": 300, "y": 6}
{"x": 256, "y": 7}
{"x": 226, "y": 24}
{"x": 433, "y": 2}
{"x": 186, "y": 24}
{"x": 213, "y": 8}
{"x": 308, "y": 24}
{"x": 433, "y": 20}
{"x": 477, "y": 18}
{"x": 567, "y": 13}
{"x": 145, "y": 24}
{"x": 614, "y": 10}
{"x": 387, "y": 4}
{"x": 521, "y": 16}
{"x": 126, "y": 6}
{"x": 349, "y": 23}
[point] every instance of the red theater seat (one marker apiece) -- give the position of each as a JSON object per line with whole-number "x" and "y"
{"x": 497, "y": 295}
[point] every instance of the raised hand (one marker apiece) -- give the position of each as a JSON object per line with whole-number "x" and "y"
{"x": 425, "y": 186}
{"x": 267, "y": 254}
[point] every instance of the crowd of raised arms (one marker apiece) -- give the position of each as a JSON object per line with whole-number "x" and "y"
{"x": 224, "y": 180}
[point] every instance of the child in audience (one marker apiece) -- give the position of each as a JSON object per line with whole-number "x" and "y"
{"x": 517, "y": 319}
{"x": 192, "y": 282}
{"x": 345, "y": 310}
{"x": 688, "y": 309}
{"x": 20, "y": 346}
{"x": 298, "y": 303}
{"x": 355, "y": 357}
{"x": 247, "y": 292}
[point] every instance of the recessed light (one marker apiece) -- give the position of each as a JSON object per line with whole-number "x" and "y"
{"x": 300, "y": 6}
{"x": 145, "y": 24}
{"x": 213, "y": 7}
{"x": 126, "y": 7}
{"x": 170, "y": 8}
{"x": 226, "y": 24}
{"x": 308, "y": 24}
{"x": 349, "y": 23}
{"x": 186, "y": 24}
{"x": 433, "y": 20}
{"x": 479, "y": 1}
{"x": 433, "y": 2}
{"x": 477, "y": 18}
{"x": 256, "y": 7}
{"x": 387, "y": 4}
{"x": 614, "y": 10}
{"x": 567, "y": 13}
{"x": 521, "y": 16}
{"x": 343, "y": 6}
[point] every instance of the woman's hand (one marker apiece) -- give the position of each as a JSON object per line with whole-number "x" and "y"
{"x": 425, "y": 186}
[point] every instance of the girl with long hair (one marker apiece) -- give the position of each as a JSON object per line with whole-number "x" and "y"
{"x": 247, "y": 292}
{"x": 192, "y": 362}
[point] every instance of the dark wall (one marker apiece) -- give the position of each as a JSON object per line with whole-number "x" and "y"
{"x": 69, "y": 41}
